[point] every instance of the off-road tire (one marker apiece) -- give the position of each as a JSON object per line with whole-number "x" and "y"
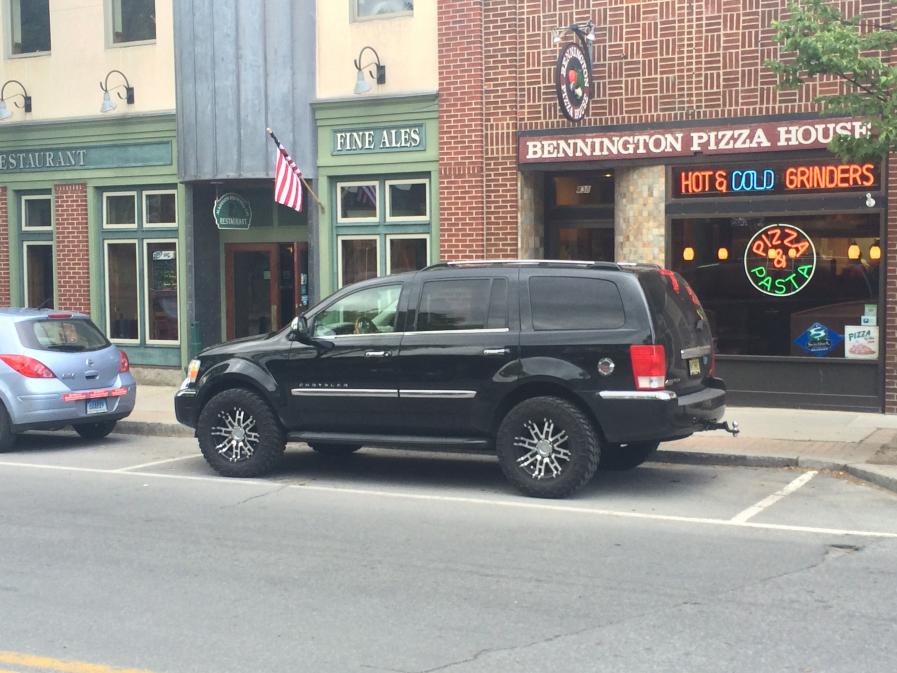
{"x": 582, "y": 442}
{"x": 268, "y": 450}
{"x": 7, "y": 436}
{"x": 97, "y": 430}
{"x": 621, "y": 457}
{"x": 335, "y": 450}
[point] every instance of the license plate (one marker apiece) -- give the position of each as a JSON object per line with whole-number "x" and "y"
{"x": 694, "y": 367}
{"x": 96, "y": 406}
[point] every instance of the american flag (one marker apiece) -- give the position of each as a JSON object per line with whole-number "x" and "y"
{"x": 287, "y": 178}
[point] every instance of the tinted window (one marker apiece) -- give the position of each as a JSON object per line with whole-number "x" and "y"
{"x": 575, "y": 303}
{"x": 369, "y": 311}
{"x": 475, "y": 303}
{"x": 60, "y": 335}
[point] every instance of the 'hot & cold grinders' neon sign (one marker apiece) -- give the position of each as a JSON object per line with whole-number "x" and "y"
{"x": 780, "y": 260}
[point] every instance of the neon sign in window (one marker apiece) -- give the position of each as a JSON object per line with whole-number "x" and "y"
{"x": 780, "y": 260}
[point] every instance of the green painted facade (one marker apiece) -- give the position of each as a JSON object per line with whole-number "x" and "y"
{"x": 420, "y": 159}
{"x": 121, "y": 153}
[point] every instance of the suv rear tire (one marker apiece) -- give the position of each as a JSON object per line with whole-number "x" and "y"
{"x": 335, "y": 450}
{"x": 547, "y": 447}
{"x": 239, "y": 434}
{"x": 95, "y": 430}
{"x": 619, "y": 457}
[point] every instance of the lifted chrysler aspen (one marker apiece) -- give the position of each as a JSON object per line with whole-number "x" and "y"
{"x": 558, "y": 367}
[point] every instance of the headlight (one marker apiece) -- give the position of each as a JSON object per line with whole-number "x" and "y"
{"x": 192, "y": 371}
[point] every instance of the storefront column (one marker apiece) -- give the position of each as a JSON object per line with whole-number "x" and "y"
{"x": 640, "y": 214}
{"x": 531, "y": 232}
{"x": 890, "y": 290}
{"x": 4, "y": 249}
{"x": 72, "y": 248}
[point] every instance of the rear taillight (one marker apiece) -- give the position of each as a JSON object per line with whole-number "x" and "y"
{"x": 124, "y": 365}
{"x": 649, "y": 366}
{"x": 712, "y": 371}
{"x": 28, "y": 367}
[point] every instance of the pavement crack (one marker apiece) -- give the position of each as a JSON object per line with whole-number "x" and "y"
{"x": 260, "y": 495}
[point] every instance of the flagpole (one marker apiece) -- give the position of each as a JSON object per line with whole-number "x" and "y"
{"x": 307, "y": 186}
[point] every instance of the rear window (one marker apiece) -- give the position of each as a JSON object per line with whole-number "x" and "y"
{"x": 73, "y": 335}
{"x": 674, "y": 307}
{"x": 567, "y": 303}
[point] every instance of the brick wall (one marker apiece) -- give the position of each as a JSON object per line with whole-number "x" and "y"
{"x": 4, "y": 249}
{"x": 72, "y": 249}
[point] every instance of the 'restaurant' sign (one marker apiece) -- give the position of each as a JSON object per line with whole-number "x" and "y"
{"x": 700, "y": 140}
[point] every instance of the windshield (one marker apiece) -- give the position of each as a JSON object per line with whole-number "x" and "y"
{"x": 71, "y": 335}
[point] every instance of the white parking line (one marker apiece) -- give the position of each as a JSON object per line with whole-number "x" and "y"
{"x": 538, "y": 505}
{"x": 154, "y": 463}
{"x": 754, "y": 510}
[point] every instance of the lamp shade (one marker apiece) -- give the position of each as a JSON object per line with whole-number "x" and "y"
{"x": 722, "y": 254}
{"x": 4, "y": 111}
{"x": 688, "y": 253}
{"x": 875, "y": 250}
{"x": 361, "y": 84}
{"x": 853, "y": 251}
{"x": 108, "y": 104}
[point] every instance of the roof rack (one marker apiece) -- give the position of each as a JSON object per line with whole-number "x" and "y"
{"x": 523, "y": 262}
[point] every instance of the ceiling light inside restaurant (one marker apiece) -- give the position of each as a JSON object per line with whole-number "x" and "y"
{"x": 875, "y": 250}
{"x": 722, "y": 254}
{"x": 853, "y": 251}
{"x": 688, "y": 253}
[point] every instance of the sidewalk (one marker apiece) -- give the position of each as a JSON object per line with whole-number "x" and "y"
{"x": 863, "y": 445}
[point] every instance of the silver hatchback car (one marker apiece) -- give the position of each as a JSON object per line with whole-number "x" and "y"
{"x": 57, "y": 369}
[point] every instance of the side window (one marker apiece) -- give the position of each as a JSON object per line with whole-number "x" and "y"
{"x": 463, "y": 304}
{"x": 563, "y": 303}
{"x": 369, "y": 311}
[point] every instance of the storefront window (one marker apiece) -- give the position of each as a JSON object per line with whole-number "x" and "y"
{"x": 382, "y": 8}
{"x": 358, "y": 259}
{"x": 121, "y": 291}
{"x": 133, "y": 21}
{"x": 37, "y": 212}
{"x": 407, "y": 253}
{"x": 407, "y": 200}
{"x": 160, "y": 260}
{"x": 120, "y": 210}
{"x": 30, "y": 23}
{"x": 160, "y": 209}
{"x": 38, "y": 274}
{"x": 358, "y": 202}
{"x": 804, "y": 286}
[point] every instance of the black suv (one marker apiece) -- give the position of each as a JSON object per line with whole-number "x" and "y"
{"x": 558, "y": 367}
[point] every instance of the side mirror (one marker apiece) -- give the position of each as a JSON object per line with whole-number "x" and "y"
{"x": 299, "y": 329}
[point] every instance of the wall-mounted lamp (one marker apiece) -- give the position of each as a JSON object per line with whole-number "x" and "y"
{"x": 5, "y": 112}
{"x": 379, "y": 73}
{"x": 875, "y": 250}
{"x": 722, "y": 254}
{"x": 853, "y": 251}
{"x": 688, "y": 253}
{"x": 108, "y": 104}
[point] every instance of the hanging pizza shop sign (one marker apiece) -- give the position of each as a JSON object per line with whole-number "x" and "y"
{"x": 780, "y": 260}
{"x": 573, "y": 79}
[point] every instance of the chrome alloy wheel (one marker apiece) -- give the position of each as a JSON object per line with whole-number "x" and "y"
{"x": 544, "y": 450}
{"x": 239, "y": 440}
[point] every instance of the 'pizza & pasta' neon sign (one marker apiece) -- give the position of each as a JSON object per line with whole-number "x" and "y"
{"x": 780, "y": 260}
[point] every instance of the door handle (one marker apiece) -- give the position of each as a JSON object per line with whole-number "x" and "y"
{"x": 496, "y": 351}
{"x": 377, "y": 354}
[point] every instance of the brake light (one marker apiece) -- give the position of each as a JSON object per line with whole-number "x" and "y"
{"x": 124, "y": 365}
{"x": 28, "y": 367}
{"x": 671, "y": 276}
{"x": 59, "y": 316}
{"x": 649, "y": 366}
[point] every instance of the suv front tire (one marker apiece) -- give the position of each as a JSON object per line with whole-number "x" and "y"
{"x": 239, "y": 434}
{"x": 547, "y": 447}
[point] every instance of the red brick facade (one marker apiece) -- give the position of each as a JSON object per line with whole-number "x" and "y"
{"x": 4, "y": 249}
{"x": 72, "y": 248}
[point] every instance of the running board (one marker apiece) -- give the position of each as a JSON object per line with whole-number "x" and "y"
{"x": 394, "y": 441}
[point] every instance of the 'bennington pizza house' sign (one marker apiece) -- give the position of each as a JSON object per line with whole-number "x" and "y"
{"x": 703, "y": 140}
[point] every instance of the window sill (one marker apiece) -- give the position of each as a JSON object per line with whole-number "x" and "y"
{"x": 33, "y": 54}
{"x": 125, "y": 45}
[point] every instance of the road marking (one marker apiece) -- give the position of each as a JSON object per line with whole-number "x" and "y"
{"x": 154, "y": 463}
{"x": 429, "y": 497}
{"x": 60, "y": 665}
{"x": 754, "y": 510}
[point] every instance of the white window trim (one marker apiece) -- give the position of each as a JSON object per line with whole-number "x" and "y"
{"x": 160, "y": 225}
{"x": 110, "y": 30}
{"x": 392, "y": 237}
{"x": 11, "y": 23}
{"x": 146, "y": 300}
{"x": 413, "y": 218}
{"x": 106, "y": 196}
{"x": 106, "y": 244}
{"x": 339, "y": 253}
{"x": 25, "y": 246}
{"x": 23, "y": 215}
{"x": 339, "y": 202}
{"x": 377, "y": 17}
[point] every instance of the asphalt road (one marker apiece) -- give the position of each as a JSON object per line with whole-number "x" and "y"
{"x": 111, "y": 559}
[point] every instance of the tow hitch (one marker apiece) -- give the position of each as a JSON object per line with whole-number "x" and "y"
{"x": 723, "y": 425}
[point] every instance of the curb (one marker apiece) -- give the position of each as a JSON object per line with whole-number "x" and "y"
{"x": 873, "y": 475}
{"x": 149, "y": 429}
